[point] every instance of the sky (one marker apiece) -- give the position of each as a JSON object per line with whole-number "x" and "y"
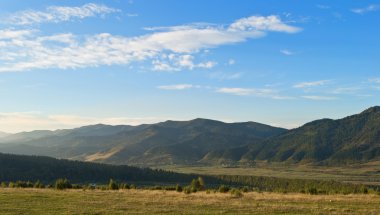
{"x": 66, "y": 64}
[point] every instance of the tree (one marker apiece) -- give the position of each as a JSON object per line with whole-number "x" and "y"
{"x": 61, "y": 184}
{"x": 38, "y": 184}
{"x": 4, "y": 185}
{"x": 178, "y": 188}
{"x": 197, "y": 184}
{"x": 112, "y": 185}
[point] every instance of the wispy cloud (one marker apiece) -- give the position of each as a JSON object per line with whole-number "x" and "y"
{"x": 319, "y": 98}
{"x": 57, "y": 14}
{"x": 63, "y": 51}
{"x": 260, "y": 23}
{"x": 265, "y": 93}
{"x": 374, "y": 80}
{"x": 177, "y": 87}
{"x": 132, "y": 14}
{"x": 346, "y": 90}
{"x": 369, "y": 8}
{"x": 287, "y": 52}
{"x": 311, "y": 84}
{"x": 225, "y": 75}
{"x": 323, "y": 7}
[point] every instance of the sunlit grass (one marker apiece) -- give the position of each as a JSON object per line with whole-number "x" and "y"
{"x": 48, "y": 201}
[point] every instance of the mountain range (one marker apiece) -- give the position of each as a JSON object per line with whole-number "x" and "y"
{"x": 352, "y": 139}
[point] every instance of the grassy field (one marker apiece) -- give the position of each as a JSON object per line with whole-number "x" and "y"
{"x": 48, "y": 201}
{"x": 368, "y": 173}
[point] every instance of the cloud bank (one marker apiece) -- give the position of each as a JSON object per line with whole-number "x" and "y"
{"x": 169, "y": 49}
{"x": 55, "y": 14}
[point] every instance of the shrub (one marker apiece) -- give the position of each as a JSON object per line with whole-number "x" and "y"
{"x": 178, "y": 188}
{"x": 245, "y": 189}
{"x": 197, "y": 184}
{"x": 125, "y": 186}
{"x": 236, "y": 193}
{"x": 61, "y": 184}
{"x": 77, "y": 186}
{"x": 223, "y": 189}
{"x": 312, "y": 191}
{"x": 187, "y": 190}
{"x": 364, "y": 189}
{"x": 156, "y": 188}
{"x": 170, "y": 188}
{"x": 11, "y": 184}
{"x": 38, "y": 184}
{"x": 112, "y": 185}
{"x": 4, "y": 185}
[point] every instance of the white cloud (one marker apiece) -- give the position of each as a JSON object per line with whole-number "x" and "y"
{"x": 9, "y": 34}
{"x": 261, "y": 23}
{"x": 231, "y": 62}
{"x": 287, "y": 52}
{"x": 311, "y": 84}
{"x": 177, "y": 87}
{"x": 319, "y": 98}
{"x": 346, "y": 90}
{"x": 29, "y": 50}
{"x": 370, "y": 8}
{"x": 174, "y": 62}
{"x": 237, "y": 91}
{"x": 265, "y": 93}
{"x": 132, "y": 14}
{"x": 57, "y": 14}
{"x": 374, "y": 80}
{"x": 28, "y": 121}
{"x": 225, "y": 76}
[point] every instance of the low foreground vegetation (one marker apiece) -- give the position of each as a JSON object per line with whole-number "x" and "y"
{"x": 137, "y": 201}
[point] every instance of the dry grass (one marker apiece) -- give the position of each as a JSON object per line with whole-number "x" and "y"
{"x": 47, "y": 201}
{"x": 368, "y": 173}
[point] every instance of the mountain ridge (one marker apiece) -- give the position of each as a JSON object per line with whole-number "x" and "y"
{"x": 351, "y": 139}
{"x": 166, "y": 142}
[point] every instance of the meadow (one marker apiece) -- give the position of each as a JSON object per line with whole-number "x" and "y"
{"x": 367, "y": 173}
{"x": 135, "y": 201}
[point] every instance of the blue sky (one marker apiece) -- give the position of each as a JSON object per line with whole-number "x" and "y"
{"x": 64, "y": 64}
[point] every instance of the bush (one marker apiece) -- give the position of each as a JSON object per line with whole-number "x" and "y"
{"x": 156, "y": 188}
{"x": 38, "y": 184}
{"x": 61, "y": 184}
{"x": 236, "y": 193}
{"x": 364, "y": 189}
{"x": 197, "y": 184}
{"x": 112, "y": 185}
{"x": 187, "y": 190}
{"x": 312, "y": 191}
{"x": 77, "y": 186}
{"x": 223, "y": 189}
{"x": 11, "y": 184}
{"x": 170, "y": 188}
{"x": 4, "y": 185}
{"x": 125, "y": 186}
{"x": 245, "y": 189}
{"x": 178, "y": 188}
